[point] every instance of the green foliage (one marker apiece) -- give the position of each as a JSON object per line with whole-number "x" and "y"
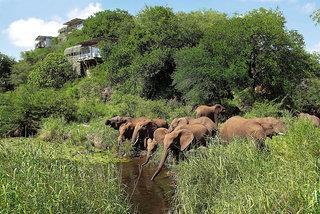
{"x": 90, "y": 87}
{"x": 36, "y": 55}
{"x": 237, "y": 178}
{"x": 316, "y": 16}
{"x": 240, "y": 52}
{"x": 53, "y": 71}
{"x": 109, "y": 24}
{"x": 6, "y": 64}
{"x": 306, "y": 97}
{"x": 264, "y": 109}
{"x": 10, "y": 115}
{"x": 20, "y": 73}
{"x": 134, "y": 106}
{"x": 93, "y": 108}
{"x": 57, "y": 178}
{"x": 26, "y": 107}
{"x": 93, "y": 134}
{"x": 199, "y": 78}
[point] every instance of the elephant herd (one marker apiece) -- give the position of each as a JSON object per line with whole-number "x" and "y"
{"x": 187, "y": 132}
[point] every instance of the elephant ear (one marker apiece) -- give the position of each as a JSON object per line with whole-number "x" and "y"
{"x": 159, "y": 134}
{"x": 186, "y": 138}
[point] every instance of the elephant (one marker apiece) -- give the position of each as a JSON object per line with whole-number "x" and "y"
{"x": 152, "y": 144}
{"x": 256, "y": 128}
{"x": 312, "y": 118}
{"x": 207, "y": 122}
{"x": 126, "y": 129}
{"x": 180, "y": 139}
{"x": 145, "y": 129}
{"x": 271, "y": 125}
{"x": 210, "y": 111}
{"x": 116, "y": 122}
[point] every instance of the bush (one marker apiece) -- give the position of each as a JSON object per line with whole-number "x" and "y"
{"x": 94, "y": 134}
{"x": 53, "y": 71}
{"x": 93, "y": 108}
{"x": 26, "y": 107}
{"x": 306, "y": 97}
{"x": 237, "y": 178}
{"x": 20, "y": 73}
{"x": 48, "y": 180}
{"x": 135, "y": 106}
{"x": 10, "y": 114}
{"x": 264, "y": 109}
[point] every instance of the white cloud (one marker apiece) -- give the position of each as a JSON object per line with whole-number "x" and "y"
{"x": 91, "y": 9}
{"x": 309, "y": 7}
{"x": 23, "y": 31}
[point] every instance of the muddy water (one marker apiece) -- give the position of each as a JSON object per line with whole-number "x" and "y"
{"x": 148, "y": 196}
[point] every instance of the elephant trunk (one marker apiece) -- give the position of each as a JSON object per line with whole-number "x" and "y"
{"x": 216, "y": 118}
{"x": 147, "y": 159}
{"x": 163, "y": 159}
{"x": 170, "y": 129}
{"x": 135, "y": 136}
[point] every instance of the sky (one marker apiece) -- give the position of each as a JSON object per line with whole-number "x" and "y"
{"x": 21, "y": 21}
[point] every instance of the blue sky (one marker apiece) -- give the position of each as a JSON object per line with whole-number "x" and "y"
{"x": 22, "y": 20}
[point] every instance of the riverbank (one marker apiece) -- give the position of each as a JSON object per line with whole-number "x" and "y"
{"x": 37, "y": 176}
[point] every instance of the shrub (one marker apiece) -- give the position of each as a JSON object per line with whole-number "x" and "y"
{"x": 93, "y": 108}
{"x": 135, "y": 106}
{"x": 306, "y": 97}
{"x": 20, "y": 73}
{"x": 53, "y": 71}
{"x": 26, "y": 107}
{"x": 94, "y": 134}
{"x": 237, "y": 178}
{"x": 53, "y": 130}
{"x": 10, "y": 114}
{"x": 264, "y": 109}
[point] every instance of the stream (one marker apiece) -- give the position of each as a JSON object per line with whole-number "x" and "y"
{"x": 149, "y": 196}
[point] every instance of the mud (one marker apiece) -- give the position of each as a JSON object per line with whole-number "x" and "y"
{"x": 148, "y": 196}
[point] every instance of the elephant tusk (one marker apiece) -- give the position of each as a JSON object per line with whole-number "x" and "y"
{"x": 136, "y": 141}
{"x": 281, "y": 133}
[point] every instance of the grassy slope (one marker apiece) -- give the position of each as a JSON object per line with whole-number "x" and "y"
{"x": 238, "y": 179}
{"x": 38, "y": 177}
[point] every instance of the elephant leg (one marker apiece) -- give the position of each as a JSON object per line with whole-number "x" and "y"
{"x": 176, "y": 156}
{"x": 163, "y": 159}
{"x": 260, "y": 144}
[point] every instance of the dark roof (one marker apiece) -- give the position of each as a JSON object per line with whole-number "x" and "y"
{"x": 74, "y": 21}
{"x": 43, "y": 37}
{"x": 90, "y": 42}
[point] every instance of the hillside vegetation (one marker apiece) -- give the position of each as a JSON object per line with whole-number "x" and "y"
{"x": 160, "y": 63}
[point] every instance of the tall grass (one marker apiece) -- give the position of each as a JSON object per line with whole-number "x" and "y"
{"x": 37, "y": 177}
{"x": 239, "y": 179}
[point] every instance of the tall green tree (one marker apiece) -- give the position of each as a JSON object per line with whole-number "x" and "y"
{"x": 6, "y": 64}
{"x": 253, "y": 51}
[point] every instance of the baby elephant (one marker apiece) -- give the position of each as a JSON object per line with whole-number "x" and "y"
{"x": 212, "y": 112}
{"x": 180, "y": 139}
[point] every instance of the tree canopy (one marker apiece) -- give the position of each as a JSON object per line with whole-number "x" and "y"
{"x": 198, "y": 57}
